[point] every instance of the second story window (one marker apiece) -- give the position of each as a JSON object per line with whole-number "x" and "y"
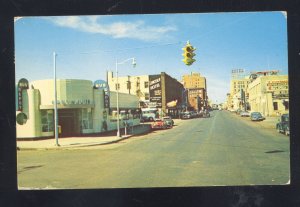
{"x": 146, "y": 84}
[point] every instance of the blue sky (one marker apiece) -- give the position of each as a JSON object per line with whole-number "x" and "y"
{"x": 87, "y": 46}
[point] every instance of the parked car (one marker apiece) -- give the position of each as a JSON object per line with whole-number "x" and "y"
{"x": 283, "y": 126}
{"x": 158, "y": 124}
{"x": 168, "y": 121}
{"x": 186, "y": 115}
{"x": 199, "y": 113}
{"x": 238, "y": 111}
{"x": 256, "y": 116}
{"x": 193, "y": 114}
{"x": 205, "y": 114}
{"x": 245, "y": 114}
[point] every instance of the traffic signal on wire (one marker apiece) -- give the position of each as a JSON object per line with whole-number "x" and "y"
{"x": 188, "y": 54}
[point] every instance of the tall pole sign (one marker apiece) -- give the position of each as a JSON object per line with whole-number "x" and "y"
{"x": 102, "y": 85}
{"x": 22, "y": 84}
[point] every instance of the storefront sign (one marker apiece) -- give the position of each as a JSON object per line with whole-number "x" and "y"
{"x": 72, "y": 102}
{"x": 22, "y": 84}
{"x": 102, "y": 85}
{"x": 277, "y": 85}
{"x": 155, "y": 90}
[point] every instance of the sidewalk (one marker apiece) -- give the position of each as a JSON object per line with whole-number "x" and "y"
{"x": 76, "y": 142}
{"x": 269, "y": 122}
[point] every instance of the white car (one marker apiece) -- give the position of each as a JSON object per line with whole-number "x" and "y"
{"x": 245, "y": 113}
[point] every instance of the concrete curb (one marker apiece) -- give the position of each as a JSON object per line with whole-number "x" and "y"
{"x": 83, "y": 145}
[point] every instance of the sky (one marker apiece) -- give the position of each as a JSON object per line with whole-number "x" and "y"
{"x": 88, "y": 46}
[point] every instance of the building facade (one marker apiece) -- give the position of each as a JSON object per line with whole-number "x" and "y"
{"x": 82, "y": 109}
{"x": 173, "y": 96}
{"x": 159, "y": 91}
{"x": 197, "y": 98}
{"x": 269, "y": 95}
{"x": 194, "y": 80}
{"x": 135, "y": 85}
{"x": 196, "y": 86}
{"x": 236, "y": 85}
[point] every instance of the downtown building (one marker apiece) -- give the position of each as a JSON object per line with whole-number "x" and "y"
{"x": 269, "y": 94}
{"x": 237, "y": 98}
{"x": 84, "y": 108}
{"x": 159, "y": 91}
{"x": 196, "y": 89}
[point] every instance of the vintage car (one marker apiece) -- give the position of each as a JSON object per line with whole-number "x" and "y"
{"x": 186, "y": 115}
{"x": 168, "y": 121}
{"x": 283, "y": 126}
{"x": 256, "y": 116}
{"x": 158, "y": 124}
{"x": 245, "y": 114}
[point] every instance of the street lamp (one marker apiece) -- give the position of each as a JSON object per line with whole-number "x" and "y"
{"x": 120, "y": 63}
{"x": 55, "y": 101}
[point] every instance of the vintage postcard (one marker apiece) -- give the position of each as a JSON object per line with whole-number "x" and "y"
{"x": 161, "y": 100}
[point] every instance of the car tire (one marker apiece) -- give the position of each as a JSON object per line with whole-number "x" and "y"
{"x": 278, "y": 129}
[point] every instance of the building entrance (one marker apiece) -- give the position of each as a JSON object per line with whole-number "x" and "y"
{"x": 69, "y": 122}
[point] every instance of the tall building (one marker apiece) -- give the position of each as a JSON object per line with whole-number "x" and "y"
{"x": 195, "y": 84}
{"x": 194, "y": 80}
{"x": 238, "y": 95}
{"x": 236, "y": 85}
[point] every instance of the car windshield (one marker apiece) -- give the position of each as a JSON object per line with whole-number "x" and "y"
{"x": 256, "y": 114}
{"x": 285, "y": 117}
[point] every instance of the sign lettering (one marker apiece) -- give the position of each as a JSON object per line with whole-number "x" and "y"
{"x": 22, "y": 84}
{"x": 102, "y": 85}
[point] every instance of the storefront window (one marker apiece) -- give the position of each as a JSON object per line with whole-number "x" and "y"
{"x": 47, "y": 120}
{"x": 87, "y": 119}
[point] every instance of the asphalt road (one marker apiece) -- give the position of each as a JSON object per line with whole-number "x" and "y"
{"x": 221, "y": 150}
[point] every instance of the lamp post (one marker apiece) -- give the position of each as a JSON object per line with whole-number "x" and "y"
{"x": 55, "y": 101}
{"x": 119, "y": 63}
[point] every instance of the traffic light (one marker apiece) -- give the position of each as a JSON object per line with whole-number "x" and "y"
{"x": 188, "y": 54}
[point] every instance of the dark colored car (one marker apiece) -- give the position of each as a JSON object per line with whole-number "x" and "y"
{"x": 283, "y": 126}
{"x": 168, "y": 121}
{"x": 256, "y": 116}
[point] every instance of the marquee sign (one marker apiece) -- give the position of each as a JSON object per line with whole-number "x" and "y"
{"x": 155, "y": 90}
{"x": 102, "y": 85}
{"x": 22, "y": 84}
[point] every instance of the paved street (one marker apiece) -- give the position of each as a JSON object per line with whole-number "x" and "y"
{"x": 224, "y": 149}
